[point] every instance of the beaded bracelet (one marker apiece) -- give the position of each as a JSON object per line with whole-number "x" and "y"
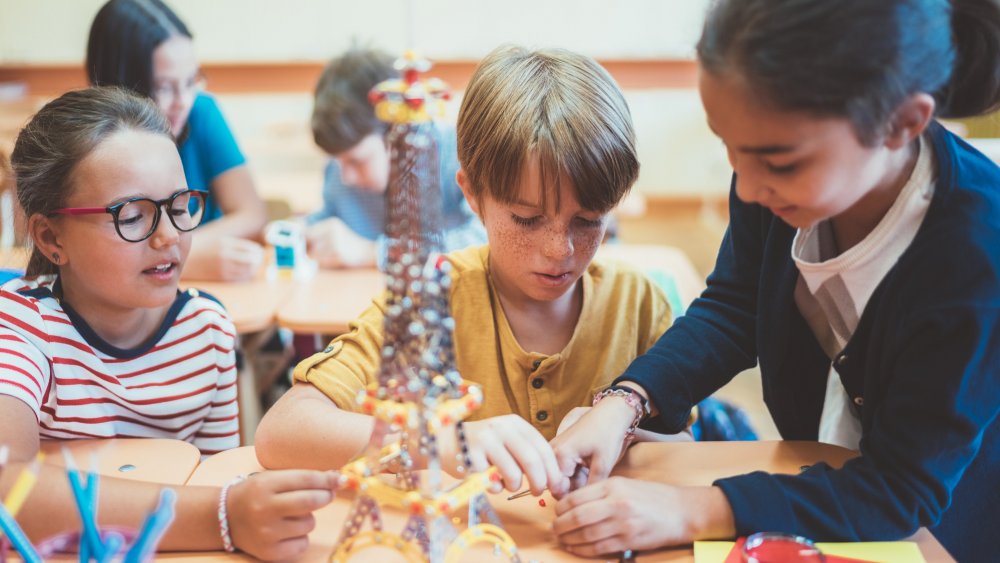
{"x": 633, "y": 399}
{"x": 227, "y": 540}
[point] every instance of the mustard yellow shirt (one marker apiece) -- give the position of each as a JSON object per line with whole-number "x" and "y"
{"x": 623, "y": 314}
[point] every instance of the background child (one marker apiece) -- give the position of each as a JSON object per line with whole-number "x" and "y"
{"x": 142, "y": 45}
{"x": 860, "y": 270}
{"x": 343, "y": 233}
{"x": 97, "y": 342}
{"x": 547, "y": 150}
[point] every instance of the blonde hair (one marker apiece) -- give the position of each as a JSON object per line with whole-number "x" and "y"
{"x": 553, "y": 104}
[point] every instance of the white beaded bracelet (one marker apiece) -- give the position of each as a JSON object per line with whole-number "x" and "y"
{"x": 227, "y": 540}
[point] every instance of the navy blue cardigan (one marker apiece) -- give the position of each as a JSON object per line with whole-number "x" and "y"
{"x": 924, "y": 363}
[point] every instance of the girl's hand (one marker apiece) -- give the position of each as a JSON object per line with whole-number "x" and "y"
{"x": 270, "y": 514}
{"x": 619, "y": 514}
{"x": 512, "y": 445}
{"x": 588, "y": 448}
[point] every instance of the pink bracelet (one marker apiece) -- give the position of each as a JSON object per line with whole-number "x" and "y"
{"x": 227, "y": 540}
{"x": 633, "y": 400}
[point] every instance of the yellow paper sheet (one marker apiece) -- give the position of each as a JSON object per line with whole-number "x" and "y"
{"x": 876, "y": 552}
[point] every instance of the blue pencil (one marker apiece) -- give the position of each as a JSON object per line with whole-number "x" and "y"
{"x": 112, "y": 544}
{"x": 82, "y": 498}
{"x": 153, "y": 528}
{"x": 17, "y": 537}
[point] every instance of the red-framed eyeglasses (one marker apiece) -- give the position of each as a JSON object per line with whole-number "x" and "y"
{"x": 136, "y": 219}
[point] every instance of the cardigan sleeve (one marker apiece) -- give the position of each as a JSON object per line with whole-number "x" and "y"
{"x": 715, "y": 339}
{"x": 941, "y": 392}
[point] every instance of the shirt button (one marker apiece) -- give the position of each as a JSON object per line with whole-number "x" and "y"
{"x": 860, "y": 401}
{"x": 537, "y": 383}
{"x": 535, "y": 364}
{"x": 542, "y": 416}
{"x": 841, "y": 360}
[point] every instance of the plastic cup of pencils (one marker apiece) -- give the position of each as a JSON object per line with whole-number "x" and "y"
{"x": 773, "y": 547}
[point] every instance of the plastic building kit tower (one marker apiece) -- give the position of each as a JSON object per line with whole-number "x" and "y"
{"x": 419, "y": 394}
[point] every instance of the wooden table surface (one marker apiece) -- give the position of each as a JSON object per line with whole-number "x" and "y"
{"x": 695, "y": 463}
{"x": 170, "y": 462}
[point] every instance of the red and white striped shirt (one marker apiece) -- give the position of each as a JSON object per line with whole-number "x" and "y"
{"x": 180, "y": 385}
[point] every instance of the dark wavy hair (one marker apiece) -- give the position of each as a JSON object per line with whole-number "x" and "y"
{"x": 122, "y": 40}
{"x": 859, "y": 58}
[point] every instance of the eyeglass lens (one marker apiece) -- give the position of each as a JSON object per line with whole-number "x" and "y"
{"x": 138, "y": 218}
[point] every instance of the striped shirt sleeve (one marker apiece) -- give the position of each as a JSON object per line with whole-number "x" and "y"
{"x": 220, "y": 430}
{"x": 24, "y": 369}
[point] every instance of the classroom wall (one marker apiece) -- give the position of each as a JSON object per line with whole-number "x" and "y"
{"x": 55, "y": 31}
{"x": 679, "y": 156}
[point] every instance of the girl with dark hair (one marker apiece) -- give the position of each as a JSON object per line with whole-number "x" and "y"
{"x": 860, "y": 271}
{"x": 96, "y": 341}
{"x": 142, "y": 45}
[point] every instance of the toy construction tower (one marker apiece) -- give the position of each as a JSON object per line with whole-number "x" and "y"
{"x": 419, "y": 395}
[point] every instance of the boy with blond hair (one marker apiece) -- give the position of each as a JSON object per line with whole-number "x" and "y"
{"x": 547, "y": 149}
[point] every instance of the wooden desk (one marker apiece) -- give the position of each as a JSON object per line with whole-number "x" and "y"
{"x": 330, "y": 300}
{"x": 253, "y": 305}
{"x": 170, "y": 462}
{"x": 695, "y": 463}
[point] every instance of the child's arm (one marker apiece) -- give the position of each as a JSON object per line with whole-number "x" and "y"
{"x": 705, "y": 348}
{"x": 305, "y": 429}
{"x": 243, "y": 211}
{"x": 269, "y": 514}
{"x": 224, "y": 249}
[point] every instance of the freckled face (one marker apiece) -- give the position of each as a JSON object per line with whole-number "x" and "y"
{"x": 539, "y": 254}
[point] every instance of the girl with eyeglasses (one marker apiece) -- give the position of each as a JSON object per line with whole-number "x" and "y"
{"x": 96, "y": 341}
{"x": 142, "y": 45}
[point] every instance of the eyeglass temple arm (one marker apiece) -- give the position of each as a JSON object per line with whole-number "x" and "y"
{"x": 80, "y": 210}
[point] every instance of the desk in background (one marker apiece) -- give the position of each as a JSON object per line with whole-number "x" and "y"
{"x": 330, "y": 300}
{"x": 691, "y": 463}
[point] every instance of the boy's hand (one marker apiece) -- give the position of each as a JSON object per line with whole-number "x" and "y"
{"x": 332, "y": 244}
{"x": 512, "y": 445}
{"x": 270, "y": 514}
